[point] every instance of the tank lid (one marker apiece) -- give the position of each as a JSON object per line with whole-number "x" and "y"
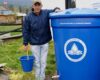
{"x": 76, "y": 12}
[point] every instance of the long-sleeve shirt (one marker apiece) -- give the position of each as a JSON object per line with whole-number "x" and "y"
{"x": 36, "y": 28}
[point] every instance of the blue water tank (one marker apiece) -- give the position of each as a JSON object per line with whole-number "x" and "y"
{"x": 76, "y": 35}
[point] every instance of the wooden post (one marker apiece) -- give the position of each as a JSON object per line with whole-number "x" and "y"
{"x": 70, "y": 4}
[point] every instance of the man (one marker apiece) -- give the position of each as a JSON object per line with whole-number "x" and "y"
{"x": 36, "y": 31}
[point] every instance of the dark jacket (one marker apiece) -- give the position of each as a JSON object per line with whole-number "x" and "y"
{"x": 36, "y": 29}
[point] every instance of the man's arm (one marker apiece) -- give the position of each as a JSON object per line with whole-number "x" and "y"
{"x": 26, "y": 31}
{"x": 57, "y": 9}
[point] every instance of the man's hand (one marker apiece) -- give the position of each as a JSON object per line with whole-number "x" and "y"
{"x": 57, "y": 9}
{"x": 26, "y": 47}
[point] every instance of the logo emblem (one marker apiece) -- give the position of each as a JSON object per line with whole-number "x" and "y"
{"x": 75, "y": 50}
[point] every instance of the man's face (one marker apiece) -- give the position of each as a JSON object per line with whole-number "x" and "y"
{"x": 37, "y": 7}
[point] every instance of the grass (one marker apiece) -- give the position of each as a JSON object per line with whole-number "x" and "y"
{"x": 7, "y": 28}
{"x": 10, "y": 54}
{"x": 11, "y": 27}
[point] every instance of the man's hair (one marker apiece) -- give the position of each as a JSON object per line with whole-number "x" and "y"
{"x": 32, "y": 9}
{"x": 37, "y": 3}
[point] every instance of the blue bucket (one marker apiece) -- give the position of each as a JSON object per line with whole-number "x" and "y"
{"x": 27, "y": 63}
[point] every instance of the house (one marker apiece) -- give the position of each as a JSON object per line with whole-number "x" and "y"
{"x": 6, "y": 16}
{"x": 19, "y": 17}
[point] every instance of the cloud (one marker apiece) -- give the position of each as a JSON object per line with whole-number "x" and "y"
{"x": 86, "y": 3}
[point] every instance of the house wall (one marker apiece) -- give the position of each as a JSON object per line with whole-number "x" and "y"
{"x": 7, "y": 19}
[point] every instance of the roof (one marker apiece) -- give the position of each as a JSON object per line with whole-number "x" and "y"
{"x": 21, "y": 14}
{"x": 5, "y": 11}
{"x": 2, "y": 8}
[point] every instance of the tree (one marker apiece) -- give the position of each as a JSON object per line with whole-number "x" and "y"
{"x": 20, "y": 9}
{"x": 11, "y": 7}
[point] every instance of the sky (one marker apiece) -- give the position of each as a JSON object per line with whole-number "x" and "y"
{"x": 50, "y": 4}
{"x": 86, "y": 3}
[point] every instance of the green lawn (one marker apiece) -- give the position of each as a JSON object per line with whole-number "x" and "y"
{"x": 11, "y": 27}
{"x": 10, "y": 54}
